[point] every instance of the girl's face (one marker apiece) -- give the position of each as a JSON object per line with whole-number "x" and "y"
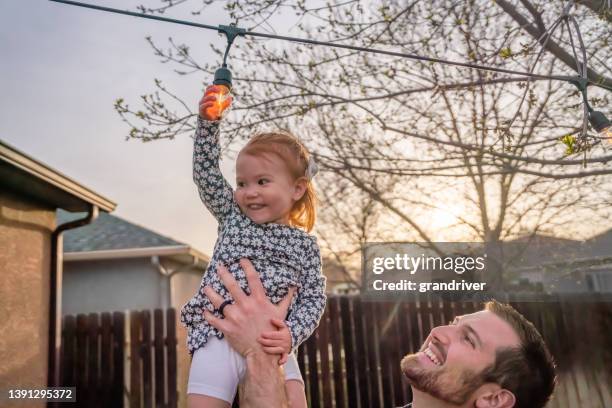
{"x": 265, "y": 190}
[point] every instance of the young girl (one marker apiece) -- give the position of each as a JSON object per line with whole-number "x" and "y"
{"x": 267, "y": 219}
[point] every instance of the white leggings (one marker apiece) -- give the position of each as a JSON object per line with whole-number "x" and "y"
{"x": 216, "y": 369}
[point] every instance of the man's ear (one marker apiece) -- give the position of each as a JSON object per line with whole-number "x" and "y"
{"x": 299, "y": 188}
{"x": 494, "y": 396}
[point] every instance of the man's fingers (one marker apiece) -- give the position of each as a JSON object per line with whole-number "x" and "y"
{"x": 215, "y": 322}
{"x": 274, "y": 350}
{"x": 215, "y": 298}
{"x": 279, "y": 324}
{"x": 270, "y": 342}
{"x": 283, "y": 359}
{"x": 286, "y": 302}
{"x": 272, "y": 335}
{"x": 230, "y": 283}
{"x": 257, "y": 289}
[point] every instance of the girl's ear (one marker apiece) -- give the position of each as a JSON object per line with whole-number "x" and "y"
{"x": 299, "y": 188}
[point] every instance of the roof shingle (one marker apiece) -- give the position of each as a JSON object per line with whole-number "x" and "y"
{"x": 109, "y": 232}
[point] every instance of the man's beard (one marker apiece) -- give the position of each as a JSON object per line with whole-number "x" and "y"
{"x": 451, "y": 386}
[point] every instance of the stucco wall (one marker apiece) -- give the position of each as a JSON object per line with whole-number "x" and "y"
{"x": 25, "y": 248}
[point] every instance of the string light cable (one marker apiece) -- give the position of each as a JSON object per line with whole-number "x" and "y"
{"x": 597, "y": 119}
{"x": 223, "y": 75}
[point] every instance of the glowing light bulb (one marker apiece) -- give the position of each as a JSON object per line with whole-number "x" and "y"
{"x": 606, "y": 135}
{"x": 223, "y": 101}
{"x": 223, "y": 81}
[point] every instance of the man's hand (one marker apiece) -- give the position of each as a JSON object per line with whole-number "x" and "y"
{"x": 278, "y": 341}
{"x": 245, "y": 320}
{"x": 250, "y": 315}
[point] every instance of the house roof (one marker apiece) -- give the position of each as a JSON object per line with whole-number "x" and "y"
{"x": 539, "y": 254}
{"x": 539, "y": 248}
{"x": 602, "y": 243}
{"x": 26, "y": 176}
{"x": 109, "y": 232}
{"x": 112, "y": 237}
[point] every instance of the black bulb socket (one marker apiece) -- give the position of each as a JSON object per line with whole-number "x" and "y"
{"x": 599, "y": 121}
{"x": 223, "y": 76}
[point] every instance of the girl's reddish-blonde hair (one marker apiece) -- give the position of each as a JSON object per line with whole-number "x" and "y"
{"x": 295, "y": 156}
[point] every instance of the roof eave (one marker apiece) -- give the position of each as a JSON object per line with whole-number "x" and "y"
{"x": 22, "y": 173}
{"x": 135, "y": 253}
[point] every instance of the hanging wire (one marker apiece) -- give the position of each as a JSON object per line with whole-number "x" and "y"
{"x": 231, "y": 32}
{"x": 581, "y": 68}
{"x": 134, "y": 14}
{"x": 579, "y": 81}
{"x": 243, "y": 32}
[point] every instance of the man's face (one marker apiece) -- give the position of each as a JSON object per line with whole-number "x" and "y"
{"x": 452, "y": 359}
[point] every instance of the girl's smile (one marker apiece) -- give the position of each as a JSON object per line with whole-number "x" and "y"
{"x": 265, "y": 190}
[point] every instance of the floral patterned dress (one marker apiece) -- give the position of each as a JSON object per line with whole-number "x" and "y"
{"x": 284, "y": 256}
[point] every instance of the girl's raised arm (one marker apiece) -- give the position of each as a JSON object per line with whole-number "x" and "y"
{"x": 215, "y": 192}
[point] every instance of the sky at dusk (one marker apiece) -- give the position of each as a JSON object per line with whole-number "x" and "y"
{"x": 62, "y": 69}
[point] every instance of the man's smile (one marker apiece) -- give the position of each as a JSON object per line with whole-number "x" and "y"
{"x": 432, "y": 356}
{"x": 434, "y": 353}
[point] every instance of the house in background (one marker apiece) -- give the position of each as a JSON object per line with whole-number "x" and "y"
{"x": 115, "y": 265}
{"x": 339, "y": 281}
{"x": 598, "y": 272}
{"x": 30, "y": 265}
{"x": 562, "y": 266}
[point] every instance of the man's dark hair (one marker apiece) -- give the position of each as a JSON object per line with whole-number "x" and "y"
{"x": 528, "y": 371}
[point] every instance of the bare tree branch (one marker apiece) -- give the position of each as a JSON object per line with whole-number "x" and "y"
{"x": 552, "y": 46}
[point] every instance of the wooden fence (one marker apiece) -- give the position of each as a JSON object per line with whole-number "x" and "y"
{"x": 353, "y": 358}
{"x": 112, "y": 369}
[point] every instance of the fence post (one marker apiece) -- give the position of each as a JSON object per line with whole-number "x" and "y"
{"x": 106, "y": 354}
{"x": 160, "y": 383}
{"x": 349, "y": 354}
{"x": 81, "y": 363}
{"x": 313, "y": 370}
{"x": 323, "y": 345}
{"x": 333, "y": 306}
{"x": 135, "y": 341}
{"x": 118, "y": 345}
{"x": 68, "y": 346}
{"x": 93, "y": 360}
{"x": 145, "y": 347}
{"x": 171, "y": 348}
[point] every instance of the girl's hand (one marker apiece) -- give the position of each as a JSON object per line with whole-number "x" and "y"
{"x": 277, "y": 342}
{"x": 214, "y": 102}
